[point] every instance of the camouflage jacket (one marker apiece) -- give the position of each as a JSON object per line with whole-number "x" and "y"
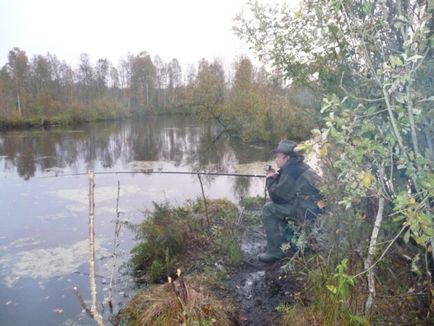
{"x": 295, "y": 181}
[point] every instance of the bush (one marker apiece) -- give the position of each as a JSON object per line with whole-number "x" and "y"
{"x": 162, "y": 236}
{"x": 180, "y": 236}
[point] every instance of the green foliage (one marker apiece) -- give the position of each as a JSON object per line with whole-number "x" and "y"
{"x": 174, "y": 237}
{"x": 163, "y": 235}
{"x": 331, "y": 299}
{"x": 226, "y": 234}
{"x": 369, "y": 155}
{"x": 294, "y": 238}
{"x": 342, "y": 282}
{"x": 332, "y": 294}
{"x": 229, "y": 248}
{"x": 159, "y": 268}
{"x": 289, "y": 42}
{"x": 156, "y": 270}
{"x": 284, "y": 308}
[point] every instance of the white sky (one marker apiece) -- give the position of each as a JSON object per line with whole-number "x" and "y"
{"x": 186, "y": 29}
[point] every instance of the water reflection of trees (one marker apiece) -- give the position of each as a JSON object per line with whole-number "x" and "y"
{"x": 187, "y": 144}
{"x": 241, "y": 186}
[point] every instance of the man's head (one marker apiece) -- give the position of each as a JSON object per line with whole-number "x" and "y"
{"x": 283, "y": 151}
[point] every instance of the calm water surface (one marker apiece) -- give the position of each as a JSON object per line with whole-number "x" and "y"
{"x": 43, "y": 219}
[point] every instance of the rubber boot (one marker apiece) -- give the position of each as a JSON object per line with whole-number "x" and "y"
{"x": 274, "y": 240}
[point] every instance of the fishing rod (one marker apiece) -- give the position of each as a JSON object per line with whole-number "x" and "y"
{"x": 197, "y": 173}
{"x": 163, "y": 172}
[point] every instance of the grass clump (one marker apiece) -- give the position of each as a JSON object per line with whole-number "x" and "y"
{"x": 178, "y": 302}
{"x": 181, "y": 236}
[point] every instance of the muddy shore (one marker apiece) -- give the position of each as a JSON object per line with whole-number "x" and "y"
{"x": 259, "y": 288}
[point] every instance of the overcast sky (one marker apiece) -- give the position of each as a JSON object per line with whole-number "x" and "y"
{"x": 186, "y": 29}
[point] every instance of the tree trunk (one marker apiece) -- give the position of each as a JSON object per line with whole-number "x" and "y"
{"x": 19, "y": 103}
{"x": 369, "y": 258}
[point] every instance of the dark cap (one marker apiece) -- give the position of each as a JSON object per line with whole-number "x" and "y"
{"x": 285, "y": 146}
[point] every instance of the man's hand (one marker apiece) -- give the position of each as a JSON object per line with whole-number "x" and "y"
{"x": 271, "y": 173}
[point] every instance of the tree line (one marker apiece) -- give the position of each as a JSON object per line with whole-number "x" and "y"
{"x": 45, "y": 87}
{"x": 46, "y": 90}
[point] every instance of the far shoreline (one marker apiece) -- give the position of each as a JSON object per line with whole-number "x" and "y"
{"x": 64, "y": 120}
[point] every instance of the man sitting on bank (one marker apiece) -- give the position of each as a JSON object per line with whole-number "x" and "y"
{"x": 293, "y": 194}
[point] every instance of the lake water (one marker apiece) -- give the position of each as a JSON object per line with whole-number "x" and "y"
{"x": 44, "y": 218}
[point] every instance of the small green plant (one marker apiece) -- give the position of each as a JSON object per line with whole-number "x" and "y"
{"x": 216, "y": 276}
{"x": 333, "y": 299}
{"x": 156, "y": 270}
{"x": 284, "y": 308}
{"x": 159, "y": 268}
{"x": 330, "y": 298}
{"x": 342, "y": 282}
{"x": 296, "y": 235}
{"x": 229, "y": 247}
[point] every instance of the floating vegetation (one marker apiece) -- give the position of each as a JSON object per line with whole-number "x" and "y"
{"x": 257, "y": 167}
{"x": 45, "y": 263}
{"x": 20, "y": 243}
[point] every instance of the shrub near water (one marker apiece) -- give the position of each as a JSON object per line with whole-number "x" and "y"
{"x": 162, "y": 236}
{"x": 174, "y": 237}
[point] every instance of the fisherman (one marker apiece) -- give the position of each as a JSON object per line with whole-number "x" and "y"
{"x": 294, "y": 196}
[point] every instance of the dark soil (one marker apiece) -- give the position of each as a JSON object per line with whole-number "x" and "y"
{"x": 259, "y": 288}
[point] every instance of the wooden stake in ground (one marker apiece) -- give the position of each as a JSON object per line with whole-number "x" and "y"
{"x": 204, "y": 202}
{"x": 118, "y": 226}
{"x": 92, "y": 270}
